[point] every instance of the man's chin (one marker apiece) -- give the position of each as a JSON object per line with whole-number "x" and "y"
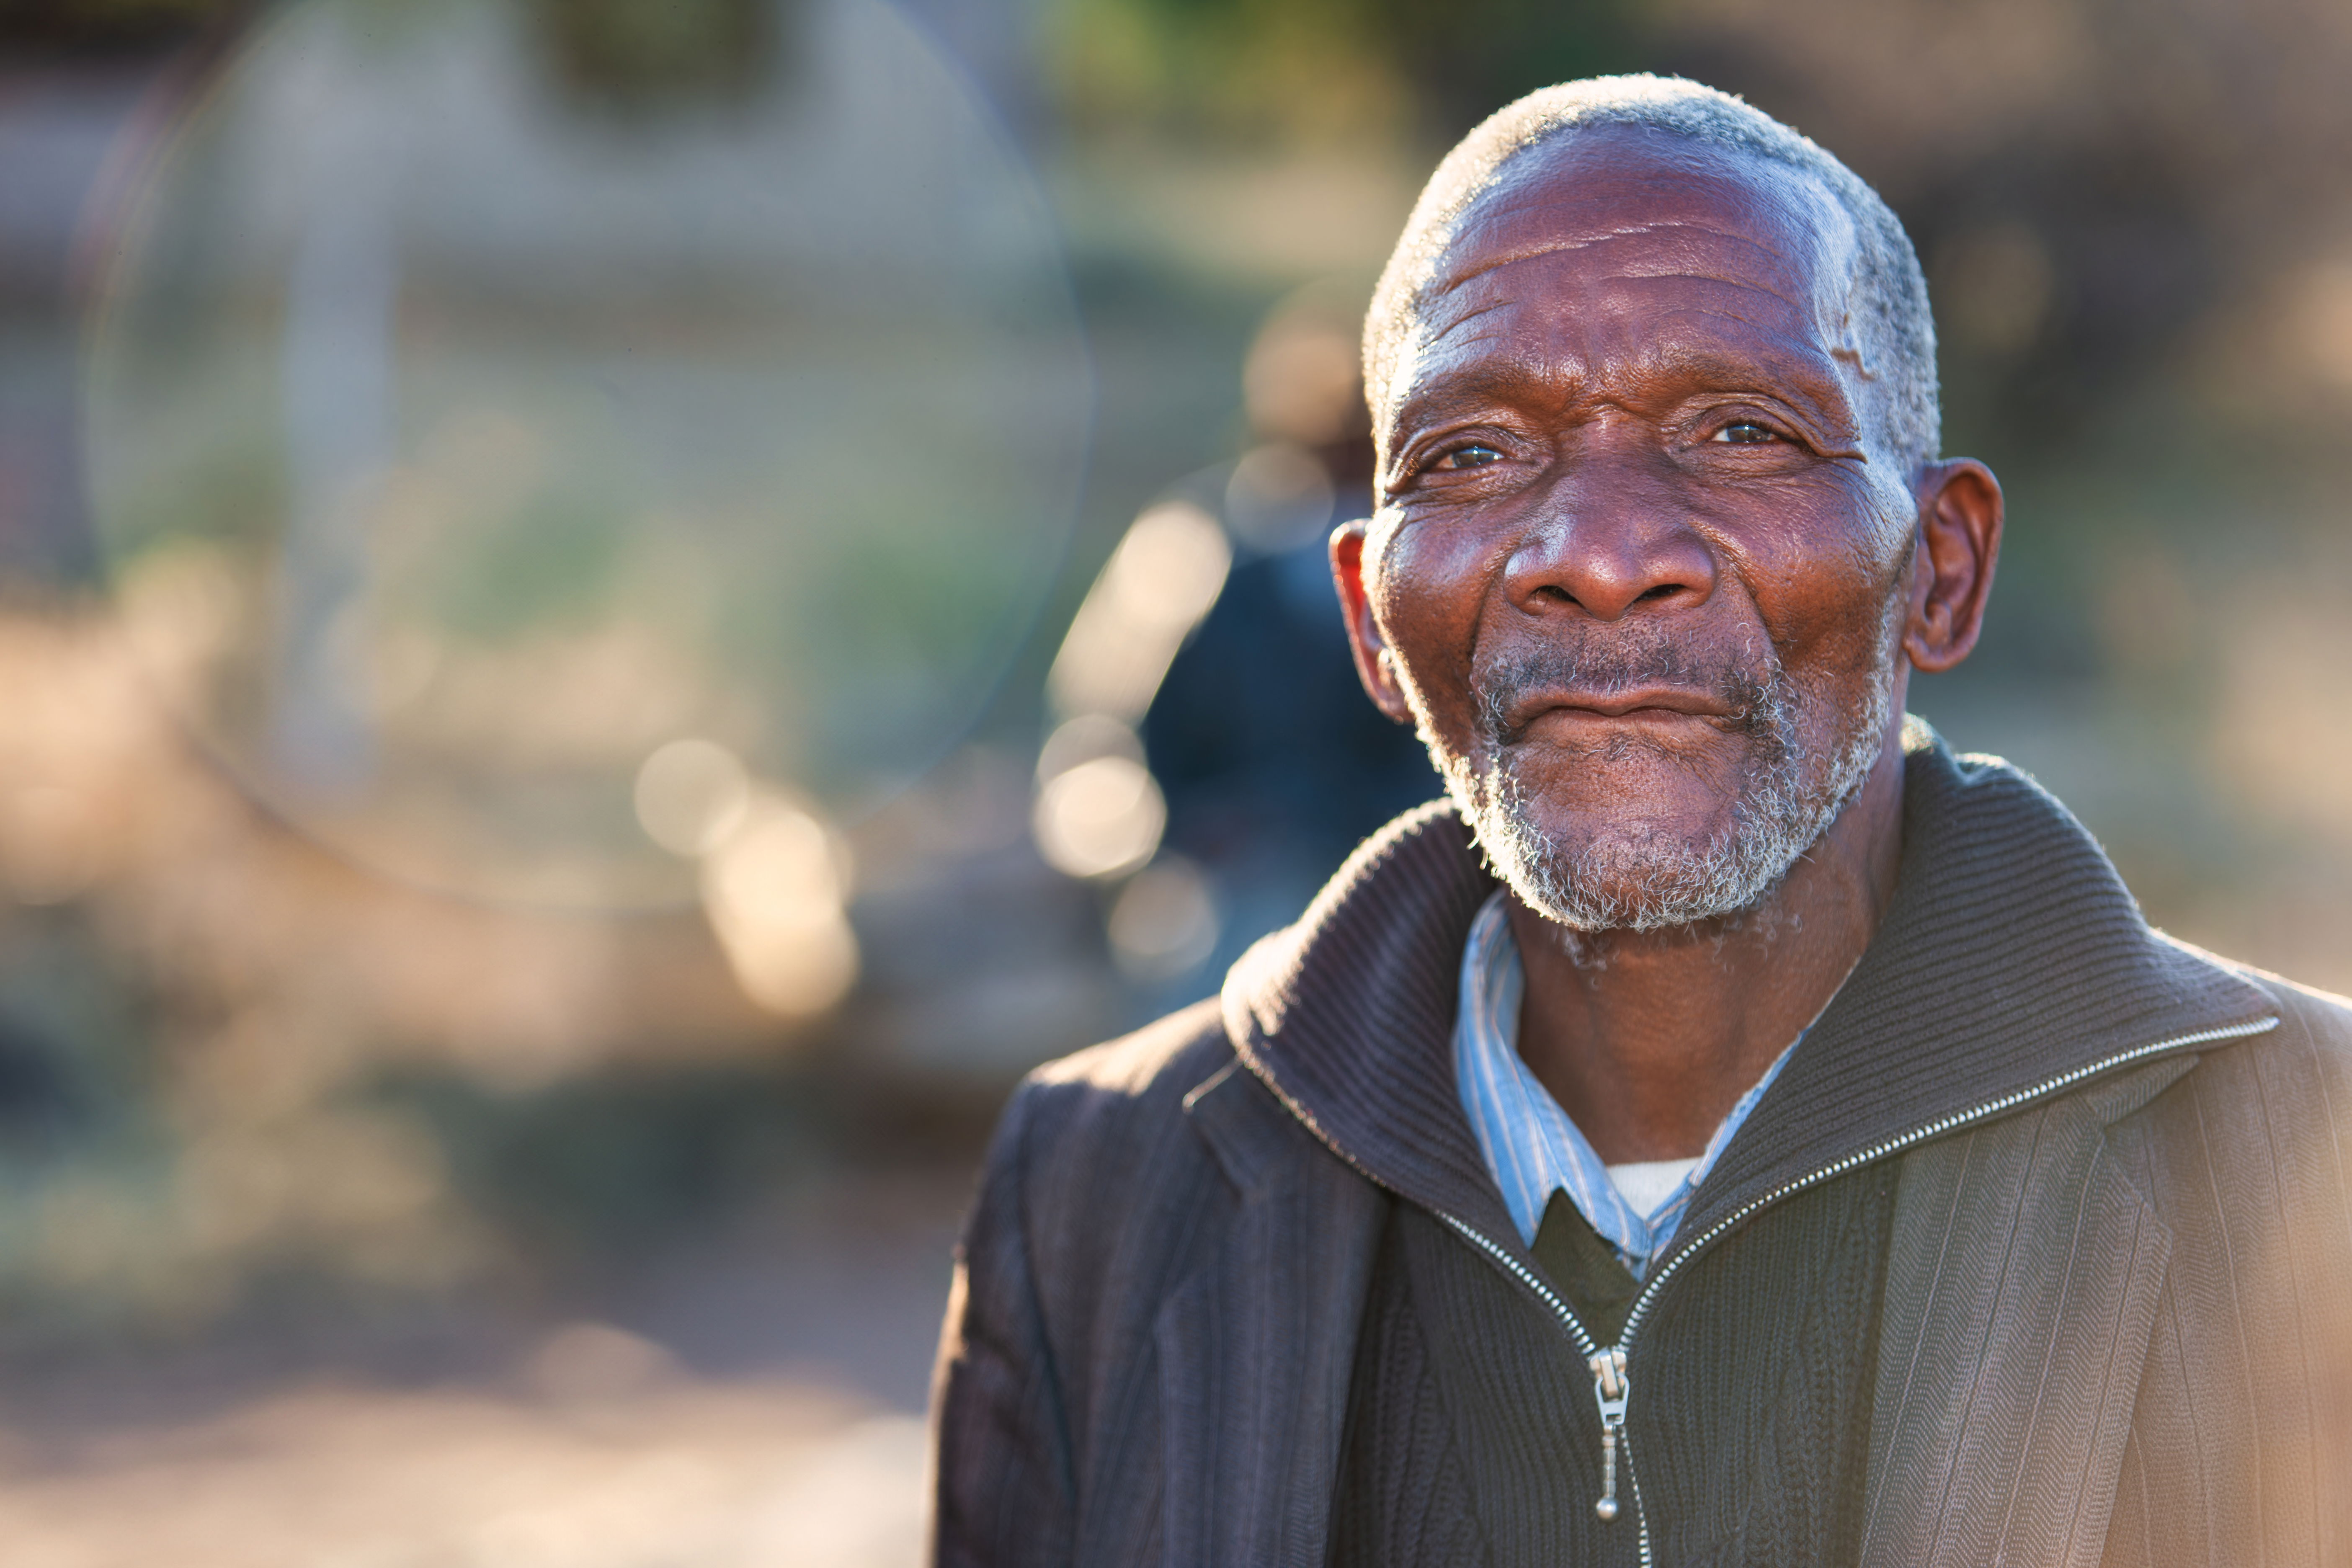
{"x": 1627, "y": 851}
{"x": 1596, "y": 872}
{"x": 1592, "y": 897}
{"x": 1628, "y": 792}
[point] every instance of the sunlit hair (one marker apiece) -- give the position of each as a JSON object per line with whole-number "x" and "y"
{"x": 1887, "y": 298}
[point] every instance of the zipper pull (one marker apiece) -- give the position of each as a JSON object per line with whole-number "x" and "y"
{"x": 1609, "y": 1391}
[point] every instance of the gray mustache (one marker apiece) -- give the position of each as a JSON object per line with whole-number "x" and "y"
{"x": 1752, "y": 696}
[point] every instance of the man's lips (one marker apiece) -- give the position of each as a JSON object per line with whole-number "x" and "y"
{"x": 1639, "y": 702}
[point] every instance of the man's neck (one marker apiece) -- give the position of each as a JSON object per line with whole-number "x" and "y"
{"x": 1648, "y": 1039}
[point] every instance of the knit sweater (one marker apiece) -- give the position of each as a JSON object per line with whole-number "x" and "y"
{"x": 1471, "y": 1438}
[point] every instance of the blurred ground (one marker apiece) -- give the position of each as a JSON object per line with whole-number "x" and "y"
{"x": 763, "y": 1404}
{"x": 674, "y": 1472}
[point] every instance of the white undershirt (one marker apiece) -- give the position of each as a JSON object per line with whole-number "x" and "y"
{"x": 1646, "y": 1185}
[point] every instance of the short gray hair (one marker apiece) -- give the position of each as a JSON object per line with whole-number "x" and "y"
{"x": 1887, "y": 298}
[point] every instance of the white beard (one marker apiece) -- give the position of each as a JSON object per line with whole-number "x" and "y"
{"x": 1640, "y": 880}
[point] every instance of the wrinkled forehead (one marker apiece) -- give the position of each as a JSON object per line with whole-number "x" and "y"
{"x": 1724, "y": 213}
{"x": 1584, "y": 187}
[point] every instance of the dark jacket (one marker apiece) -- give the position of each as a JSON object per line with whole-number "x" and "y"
{"x": 2118, "y": 1262}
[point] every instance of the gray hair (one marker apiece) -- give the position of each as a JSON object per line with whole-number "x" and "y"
{"x": 1886, "y": 295}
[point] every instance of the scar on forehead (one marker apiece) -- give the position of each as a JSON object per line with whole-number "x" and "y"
{"x": 1853, "y": 357}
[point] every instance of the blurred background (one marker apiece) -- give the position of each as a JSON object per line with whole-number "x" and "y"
{"x": 615, "y": 613}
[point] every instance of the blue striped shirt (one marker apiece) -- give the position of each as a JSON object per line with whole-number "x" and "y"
{"x": 1531, "y": 1146}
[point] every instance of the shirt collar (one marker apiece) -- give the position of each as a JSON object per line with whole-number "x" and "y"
{"x": 1532, "y": 1147}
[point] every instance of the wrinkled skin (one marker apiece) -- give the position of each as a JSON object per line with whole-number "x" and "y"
{"x": 1628, "y": 462}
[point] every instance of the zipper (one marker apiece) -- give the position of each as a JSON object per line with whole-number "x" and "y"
{"x": 1611, "y": 1386}
{"x": 1609, "y": 1391}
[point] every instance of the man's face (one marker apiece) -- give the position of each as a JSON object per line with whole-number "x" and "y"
{"x": 1640, "y": 561}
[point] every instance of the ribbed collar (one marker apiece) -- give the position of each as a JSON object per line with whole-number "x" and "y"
{"x": 2012, "y": 955}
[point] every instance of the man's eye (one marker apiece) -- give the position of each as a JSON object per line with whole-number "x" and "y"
{"x": 1746, "y": 433}
{"x": 1470, "y": 456}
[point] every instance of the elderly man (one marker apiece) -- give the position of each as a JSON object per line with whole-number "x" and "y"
{"x": 1733, "y": 1129}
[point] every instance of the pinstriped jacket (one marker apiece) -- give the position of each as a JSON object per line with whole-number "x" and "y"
{"x": 2113, "y": 1313}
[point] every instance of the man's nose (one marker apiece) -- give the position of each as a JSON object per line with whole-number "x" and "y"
{"x": 1611, "y": 536}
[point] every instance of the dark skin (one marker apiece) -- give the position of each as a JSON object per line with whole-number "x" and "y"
{"x": 1633, "y": 418}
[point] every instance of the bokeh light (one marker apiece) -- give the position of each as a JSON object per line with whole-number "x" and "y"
{"x": 1164, "y": 921}
{"x": 692, "y": 794}
{"x": 1100, "y": 818}
{"x": 1156, "y": 587}
{"x": 777, "y": 889}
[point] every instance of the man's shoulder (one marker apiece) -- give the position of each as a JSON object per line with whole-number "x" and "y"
{"x": 1117, "y": 1105}
{"x": 1156, "y": 1066}
{"x": 2314, "y": 1027}
{"x": 2293, "y": 1081}
{"x": 2309, "y": 1017}
{"x": 2322, "y": 1017}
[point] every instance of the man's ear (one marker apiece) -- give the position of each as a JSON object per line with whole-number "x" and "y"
{"x": 1375, "y": 665}
{"x": 1951, "y": 574}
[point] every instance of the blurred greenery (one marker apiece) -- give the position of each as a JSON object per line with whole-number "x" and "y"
{"x": 601, "y": 1165}
{"x": 644, "y": 55}
{"x": 1328, "y": 69}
